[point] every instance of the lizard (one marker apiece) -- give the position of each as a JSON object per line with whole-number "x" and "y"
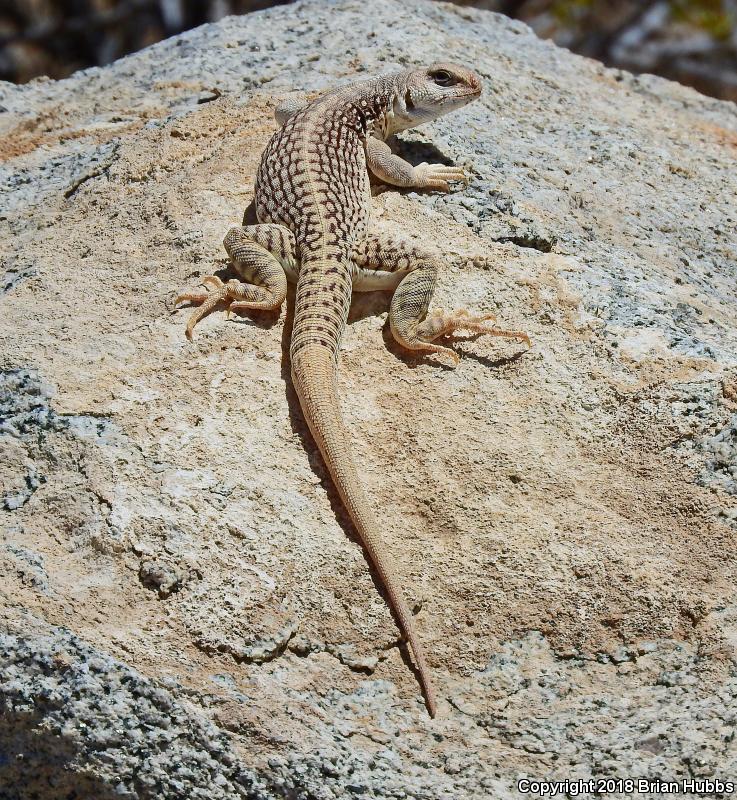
{"x": 312, "y": 201}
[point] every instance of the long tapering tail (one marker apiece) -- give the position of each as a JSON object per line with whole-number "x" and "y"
{"x": 315, "y": 379}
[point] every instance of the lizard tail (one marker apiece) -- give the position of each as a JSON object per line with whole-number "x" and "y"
{"x": 315, "y": 378}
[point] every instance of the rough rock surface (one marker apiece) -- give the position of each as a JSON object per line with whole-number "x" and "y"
{"x": 185, "y": 612}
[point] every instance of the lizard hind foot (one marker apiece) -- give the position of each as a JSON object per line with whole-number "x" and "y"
{"x": 206, "y": 301}
{"x": 443, "y": 323}
{"x": 209, "y": 300}
{"x": 236, "y": 295}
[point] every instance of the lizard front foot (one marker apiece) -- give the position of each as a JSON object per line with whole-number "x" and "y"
{"x": 437, "y": 176}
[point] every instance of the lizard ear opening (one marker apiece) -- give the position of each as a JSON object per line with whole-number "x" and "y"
{"x": 408, "y": 102}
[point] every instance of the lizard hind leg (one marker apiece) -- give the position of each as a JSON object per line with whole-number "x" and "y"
{"x": 261, "y": 255}
{"x": 386, "y": 263}
{"x": 415, "y": 329}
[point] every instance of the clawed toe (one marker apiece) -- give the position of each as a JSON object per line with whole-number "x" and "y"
{"x": 462, "y": 320}
{"x": 436, "y": 349}
{"x": 191, "y": 297}
{"x": 491, "y": 330}
{"x": 200, "y": 297}
{"x": 446, "y": 351}
{"x": 214, "y": 281}
{"x": 450, "y": 173}
{"x": 238, "y": 306}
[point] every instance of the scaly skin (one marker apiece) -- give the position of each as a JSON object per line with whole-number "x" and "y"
{"x": 313, "y": 201}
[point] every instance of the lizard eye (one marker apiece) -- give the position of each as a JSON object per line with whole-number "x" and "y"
{"x": 442, "y": 77}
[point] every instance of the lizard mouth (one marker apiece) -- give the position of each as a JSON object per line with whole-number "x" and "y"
{"x": 470, "y": 95}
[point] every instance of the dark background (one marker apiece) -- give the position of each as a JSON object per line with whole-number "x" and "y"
{"x": 692, "y": 41}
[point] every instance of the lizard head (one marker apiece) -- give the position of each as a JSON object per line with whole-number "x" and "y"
{"x": 427, "y": 93}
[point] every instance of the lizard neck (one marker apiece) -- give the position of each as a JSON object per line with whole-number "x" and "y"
{"x": 395, "y": 114}
{"x": 380, "y": 108}
{"x": 376, "y": 110}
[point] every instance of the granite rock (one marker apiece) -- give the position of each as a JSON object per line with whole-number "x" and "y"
{"x": 185, "y": 610}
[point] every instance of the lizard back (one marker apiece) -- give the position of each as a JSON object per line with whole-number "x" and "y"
{"x": 313, "y": 180}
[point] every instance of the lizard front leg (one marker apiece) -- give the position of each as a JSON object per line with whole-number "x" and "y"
{"x": 262, "y": 255}
{"x": 386, "y": 263}
{"x": 392, "y": 169}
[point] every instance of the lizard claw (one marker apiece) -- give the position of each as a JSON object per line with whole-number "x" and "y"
{"x": 446, "y": 351}
{"x": 199, "y": 297}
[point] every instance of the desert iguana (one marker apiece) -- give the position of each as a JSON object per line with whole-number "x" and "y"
{"x": 312, "y": 201}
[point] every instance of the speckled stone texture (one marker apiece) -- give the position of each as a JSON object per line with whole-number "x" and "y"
{"x": 184, "y": 610}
